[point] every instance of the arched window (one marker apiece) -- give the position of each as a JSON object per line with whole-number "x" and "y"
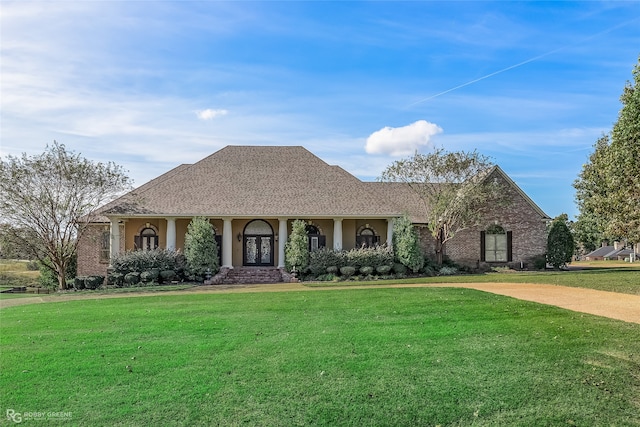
{"x": 495, "y": 244}
{"x": 147, "y": 240}
{"x": 316, "y": 239}
{"x": 366, "y": 237}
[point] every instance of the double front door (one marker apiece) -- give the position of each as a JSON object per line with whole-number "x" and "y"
{"x": 258, "y": 250}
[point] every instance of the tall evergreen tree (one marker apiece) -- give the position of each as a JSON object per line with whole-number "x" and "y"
{"x": 406, "y": 244}
{"x": 200, "y": 248}
{"x": 297, "y": 247}
{"x": 608, "y": 186}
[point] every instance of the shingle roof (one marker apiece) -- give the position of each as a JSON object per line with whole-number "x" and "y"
{"x": 609, "y": 252}
{"x": 270, "y": 181}
{"x": 254, "y": 181}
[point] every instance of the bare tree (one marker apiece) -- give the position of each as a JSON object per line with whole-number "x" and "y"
{"x": 452, "y": 187}
{"x": 51, "y": 198}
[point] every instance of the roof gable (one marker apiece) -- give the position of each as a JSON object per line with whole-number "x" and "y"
{"x": 497, "y": 169}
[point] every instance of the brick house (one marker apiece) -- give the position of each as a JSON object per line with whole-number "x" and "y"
{"x": 252, "y": 194}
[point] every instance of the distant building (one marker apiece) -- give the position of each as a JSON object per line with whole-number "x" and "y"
{"x": 616, "y": 252}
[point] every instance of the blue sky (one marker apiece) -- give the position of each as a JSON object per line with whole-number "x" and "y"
{"x": 151, "y": 85}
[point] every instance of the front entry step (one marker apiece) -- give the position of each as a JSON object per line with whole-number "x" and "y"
{"x": 246, "y": 275}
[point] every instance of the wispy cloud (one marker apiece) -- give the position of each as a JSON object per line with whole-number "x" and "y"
{"x": 210, "y": 114}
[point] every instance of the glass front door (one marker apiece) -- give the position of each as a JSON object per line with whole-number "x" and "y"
{"x": 258, "y": 250}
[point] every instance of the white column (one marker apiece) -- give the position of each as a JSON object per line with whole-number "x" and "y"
{"x": 390, "y": 222}
{"x": 171, "y": 234}
{"x": 227, "y": 243}
{"x": 114, "y": 247}
{"x": 337, "y": 234}
{"x": 282, "y": 240}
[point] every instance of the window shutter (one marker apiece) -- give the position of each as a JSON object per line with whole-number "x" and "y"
{"x": 483, "y": 255}
{"x": 137, "y": 242}
{"x": 155, "y": 242}
{"x": 509, "y": 240}
{"x": 322, "y": 241}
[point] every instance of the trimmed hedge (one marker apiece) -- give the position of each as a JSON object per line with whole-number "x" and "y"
{"x": 88, "y": 282}
{"x": 158, "y": 265}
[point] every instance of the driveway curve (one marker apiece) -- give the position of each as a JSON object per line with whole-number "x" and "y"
{"x": 613, "y": 305}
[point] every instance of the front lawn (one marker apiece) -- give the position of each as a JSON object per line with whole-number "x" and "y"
{"x": 449, "y": 357}
{"x": 623, "y": 278}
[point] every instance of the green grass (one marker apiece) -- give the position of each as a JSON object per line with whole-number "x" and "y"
{"x": 448, "y": 357}
{"x": 613, "y": 277}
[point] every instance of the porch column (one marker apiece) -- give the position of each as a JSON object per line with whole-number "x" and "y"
{"x": 227, "y": 243}
{"x": 282, "y": 240}
{"x": 337, "y": 234}
{"x": 390, "y": 223}
{"x": 114, "y": 246}
{"x": 171, "y": 234}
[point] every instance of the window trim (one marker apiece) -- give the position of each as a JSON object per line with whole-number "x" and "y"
{"x": 491, "y": 230}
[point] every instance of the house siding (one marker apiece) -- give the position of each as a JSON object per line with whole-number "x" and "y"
{"x": 529, "y": 235}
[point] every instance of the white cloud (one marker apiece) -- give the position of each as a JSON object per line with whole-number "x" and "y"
{"x": 210, "y": 114}
{"x": 402, "y": 141}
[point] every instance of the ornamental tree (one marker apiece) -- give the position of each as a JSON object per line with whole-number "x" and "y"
{"x": 296, "y": 250}
{"x": 452, "y": 188}
{"x": 560, "y": 243}
{"x": 49, "y": 200}
{"x": 406, "y": 244}
{"x": 200, "y": 248}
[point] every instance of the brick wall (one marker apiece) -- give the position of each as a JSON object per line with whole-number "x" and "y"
{"x": 528, "y": 228}
{"x": 89, "y": 249}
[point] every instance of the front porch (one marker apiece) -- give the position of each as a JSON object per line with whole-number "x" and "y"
{"x": 246, "y": 242}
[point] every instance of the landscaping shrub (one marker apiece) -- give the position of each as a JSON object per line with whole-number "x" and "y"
{"x": 366, "y": 270}
{"x": 448, "y": 271}
{"x": 347, "y": 271}
{"x": 428, "y": 271}
{"x": 167, "y": 276}
{"x": 93, "y": 282}
{"x": 332, "y": 269}
{"x": 160, "y": 259}
{"x": 132, "y": 278}
{"x": 323, "y": 258}
{"x": 149, "y": 275}
{"x": 78, "y": 283}
{"x": 399, "y": 268}
{"x": 383, "y": 269}
{"x": 539, "y": 262}
{"x": 115, "y": 279}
